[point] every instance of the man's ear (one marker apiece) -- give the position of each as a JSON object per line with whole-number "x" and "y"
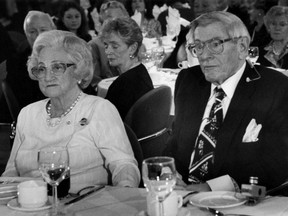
{"x": 243, "y": 46}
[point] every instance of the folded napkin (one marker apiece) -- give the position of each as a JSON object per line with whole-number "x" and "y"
{"x": 157, "y": 10}
{"x": 173, "y": 22}
{"x": 137, "y": 17}
{"x": 95, "y": 17}
{"x": 184, "y": 22}
{"x": 252, "y": 131}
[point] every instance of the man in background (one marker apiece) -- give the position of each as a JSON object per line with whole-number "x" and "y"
{"x": 27, "y": 90}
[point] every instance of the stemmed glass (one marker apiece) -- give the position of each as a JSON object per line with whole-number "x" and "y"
{"x": 158, "y": 54}
{"x": 53, "y": 164}
{"x": 146, "y": 59}
{"x": 253, "y": 53}
{"x": 159, "y": 177}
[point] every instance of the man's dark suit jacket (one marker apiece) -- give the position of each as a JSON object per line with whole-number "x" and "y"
{"x": 261, "y": 94}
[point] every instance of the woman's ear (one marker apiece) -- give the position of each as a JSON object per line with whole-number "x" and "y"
{"x": 132, "y": 49}
{"x": 243, "y": 46}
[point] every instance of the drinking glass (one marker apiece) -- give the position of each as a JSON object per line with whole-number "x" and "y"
{"x": 147, "y": 60}
{"x": 159, "y": 177}
{"x": 253, "y": 53}
{"x": 158, "y": 54}
{"x": 53, "y": 164}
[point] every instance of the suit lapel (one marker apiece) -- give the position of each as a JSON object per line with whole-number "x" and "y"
{"x": 237, "y": 110}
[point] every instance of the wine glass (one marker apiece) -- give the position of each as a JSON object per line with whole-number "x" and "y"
{"x": 158, "y": 54}
{"x": 253, "y": 54}
{"x": 159, "y": 177}
{"x": 53, "y": 164}
{"x": 147, "y": 60}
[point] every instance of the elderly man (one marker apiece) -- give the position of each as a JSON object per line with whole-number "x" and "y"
{"x": 231, "y": 119}
{"x": 25, "y": 89}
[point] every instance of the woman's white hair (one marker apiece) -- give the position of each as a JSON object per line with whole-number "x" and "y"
{"x": 78, "y": 51}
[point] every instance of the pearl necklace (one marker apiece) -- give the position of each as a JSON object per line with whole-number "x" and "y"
{"x": 57, "y": 121}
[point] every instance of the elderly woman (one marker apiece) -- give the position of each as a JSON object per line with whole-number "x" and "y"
{"x": 90, "y": 127}
{"x": 122, "y": 38}
{"x": 275, "y": 53}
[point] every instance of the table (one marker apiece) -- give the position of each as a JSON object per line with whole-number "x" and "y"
{"x": 116, "y": 201}
{"x": 164, "y": 76}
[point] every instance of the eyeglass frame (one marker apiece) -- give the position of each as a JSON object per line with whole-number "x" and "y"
{"x": 65, "y": 66}
{"x": 191, "y": 46}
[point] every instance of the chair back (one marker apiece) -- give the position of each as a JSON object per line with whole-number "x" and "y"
{"x": 136, "y": 147}
{"x": 11, "y": 100}
{"x": 138, "y": 154}
{"x": 149, "y": 117}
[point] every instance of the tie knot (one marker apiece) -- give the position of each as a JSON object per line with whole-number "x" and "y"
{"x": 220, "y": 94}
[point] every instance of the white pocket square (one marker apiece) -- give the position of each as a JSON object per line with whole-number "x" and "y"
{"x": 252, "y": 131}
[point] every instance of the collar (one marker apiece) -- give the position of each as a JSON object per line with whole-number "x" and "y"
{"x": 230, "y": 84}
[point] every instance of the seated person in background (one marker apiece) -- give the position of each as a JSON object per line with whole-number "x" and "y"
{"x": 102, "y": 68}
{"x": 71, "y": 17}
{"x": 178, "y": 54}
{"x": 275, "y": 54}
{"x": 6, "y": 52}
{"x": 122, "y": 38}
{"x": 90, "y": 127}
{"x": 149, "y": 26}
{"x": 231, "y": 119}
{"x": 181, "y": 5}
{"x": 27, "y": 90}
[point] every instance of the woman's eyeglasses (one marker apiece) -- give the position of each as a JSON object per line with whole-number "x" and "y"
{"x": 215, "y": 46}
{"x": 56, "y": 69}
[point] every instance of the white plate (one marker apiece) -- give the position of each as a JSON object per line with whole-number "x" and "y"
{"x": 217, "y": 199}
{"x": 8, "y": 190}
{"x": 13, "y": 204}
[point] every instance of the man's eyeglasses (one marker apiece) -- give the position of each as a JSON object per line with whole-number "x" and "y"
{"x": 56, "y": 69}
{"x": 214, "y": 45}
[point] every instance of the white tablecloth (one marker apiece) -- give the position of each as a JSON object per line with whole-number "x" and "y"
{"x": 116, "y": 201}
{"x": 161, "y": 77}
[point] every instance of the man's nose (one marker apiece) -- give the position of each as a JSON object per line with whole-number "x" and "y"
{"x": 206, "y": 54}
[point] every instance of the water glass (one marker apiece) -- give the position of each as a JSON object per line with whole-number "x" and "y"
{"x": 159, "y": 177}
{"x": 158, "y": 54}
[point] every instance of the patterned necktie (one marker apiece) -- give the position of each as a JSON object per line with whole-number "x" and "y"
{"x": 202, "y": 156}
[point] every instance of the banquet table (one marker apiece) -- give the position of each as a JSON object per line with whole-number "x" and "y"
{"x": 118, "y": 201}
{"x": 164, "y": 76}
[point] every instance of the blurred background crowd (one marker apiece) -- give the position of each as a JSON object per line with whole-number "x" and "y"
{"x": 85, "y": 18}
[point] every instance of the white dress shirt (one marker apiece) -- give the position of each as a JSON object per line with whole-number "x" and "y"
{"x": 98, "y": 150}
{"x": 224, "y": 182}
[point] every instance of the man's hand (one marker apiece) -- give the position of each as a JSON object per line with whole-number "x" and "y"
{"x": 198, "y": 187}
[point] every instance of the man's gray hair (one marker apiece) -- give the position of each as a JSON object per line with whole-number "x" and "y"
{"x": 235, "y": 28}
{"x": 41, "y": 14}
